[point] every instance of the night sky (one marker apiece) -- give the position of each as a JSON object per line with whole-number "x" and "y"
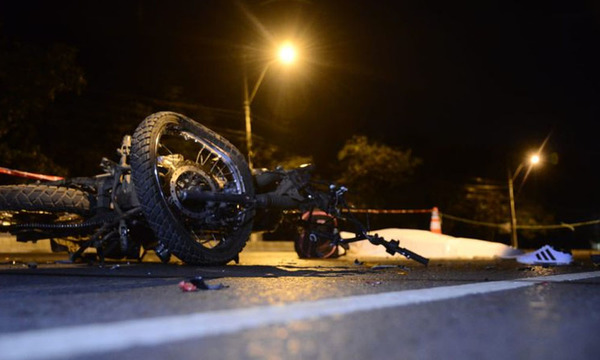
{"x": 469, "y": 87}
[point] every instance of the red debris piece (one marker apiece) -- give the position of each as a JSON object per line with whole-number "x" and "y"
{"x": 187, "y": 286}
{"x": 197, "y": 283}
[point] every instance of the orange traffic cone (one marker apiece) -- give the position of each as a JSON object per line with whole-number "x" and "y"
{"x": 436, "y": 223}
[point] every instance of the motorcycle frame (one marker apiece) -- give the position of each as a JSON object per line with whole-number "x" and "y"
{"x": 117, "y": 206}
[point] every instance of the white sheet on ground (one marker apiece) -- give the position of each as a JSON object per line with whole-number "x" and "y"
{"x": 432, "y": 245}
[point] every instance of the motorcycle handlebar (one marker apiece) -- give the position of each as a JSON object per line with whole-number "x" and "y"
{"x": 261, "y": 200}
{"x": 276, "y": 201}
{"x": 414, "y": 256}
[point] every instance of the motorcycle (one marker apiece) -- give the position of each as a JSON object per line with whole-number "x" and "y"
{"x": 178, "y": 188}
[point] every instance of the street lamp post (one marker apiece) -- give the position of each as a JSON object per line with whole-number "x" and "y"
{"x": 286, "y": 55}
{"x": 533, "y": 160}
{"x": 248, "y": 97}
{"x": 513, "y": 215}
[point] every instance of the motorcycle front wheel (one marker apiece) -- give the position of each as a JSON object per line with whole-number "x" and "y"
{"x": 170, "y": 154}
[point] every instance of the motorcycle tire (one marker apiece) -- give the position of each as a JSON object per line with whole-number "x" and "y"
{"x": 170, "y": 151}
{"x": 41, "y": 203}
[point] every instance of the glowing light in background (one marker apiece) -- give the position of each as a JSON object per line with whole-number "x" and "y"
{"x": 287, "y": 53}
{"x": 534, "y": 159}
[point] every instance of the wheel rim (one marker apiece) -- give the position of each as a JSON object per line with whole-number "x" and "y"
{"x": 183, "y": 159}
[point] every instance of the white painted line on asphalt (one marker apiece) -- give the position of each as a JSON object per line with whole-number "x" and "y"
{"x": 57, "y": 343}
{"x": 563, "y": 277}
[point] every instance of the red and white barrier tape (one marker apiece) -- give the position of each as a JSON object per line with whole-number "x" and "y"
{"x": 29, "y": 175}
{"x": 377, "y": 211}
{"x": 390, "y": 211}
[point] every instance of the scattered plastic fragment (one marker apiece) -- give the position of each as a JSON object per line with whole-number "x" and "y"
{"x": 356, "y": 262}
{"x": 374, "y": 283}
{"x": 380, "y": 267}
{"x": 545, "y": 255}
{"x": 197, "y": 283}
{"x": 187, "y": 286}
{"x": 64, "y": 261}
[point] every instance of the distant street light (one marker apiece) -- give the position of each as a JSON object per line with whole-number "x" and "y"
{"x": 533, "y": 160}
{"x": 286, "y": 54}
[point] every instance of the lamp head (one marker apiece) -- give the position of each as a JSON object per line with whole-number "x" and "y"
{"x": 287, "y": 53}
{"x": 534, "y": 159}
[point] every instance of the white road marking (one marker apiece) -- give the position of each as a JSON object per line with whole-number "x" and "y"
{"x": 564, "y": 277}
{"x": 56, "y": 343}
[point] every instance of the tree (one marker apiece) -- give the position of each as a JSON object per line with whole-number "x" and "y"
{"x": 375, "y": 173}
{"x": 485, "y": 204}
{"x": 270, "y": 156}
{"x": 31, "y": 77}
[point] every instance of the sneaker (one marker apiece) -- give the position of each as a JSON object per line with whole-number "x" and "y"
{"x": 545, "y": 255}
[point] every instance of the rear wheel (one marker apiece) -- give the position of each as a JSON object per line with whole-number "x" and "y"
{"x": 35, "y": 212}
{"x": 172, "y": 153}
{"x": 43, "y": 204}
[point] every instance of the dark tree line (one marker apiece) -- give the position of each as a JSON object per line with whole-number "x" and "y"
{"x": 32, "y": 77}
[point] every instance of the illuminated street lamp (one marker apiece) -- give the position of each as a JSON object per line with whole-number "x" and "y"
{"x": 286, "y": 54}
{"x": 532, "y": 160}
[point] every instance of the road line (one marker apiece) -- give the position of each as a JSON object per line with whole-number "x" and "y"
{"x": 57, "y": 343}
{"x": 563, "y": 277}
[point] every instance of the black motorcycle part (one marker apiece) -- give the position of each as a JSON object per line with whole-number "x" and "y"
{"x": 42, "y": 198}
{"x": 34, "y": 212}
{"x": 316, "y": 235}
{"x": 170, "y": 154}
{"x": 393, "y": 246}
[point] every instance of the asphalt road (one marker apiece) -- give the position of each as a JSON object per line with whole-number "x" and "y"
{"x": 276, "y": 306}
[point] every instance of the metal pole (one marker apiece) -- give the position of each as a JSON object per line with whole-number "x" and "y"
{"x": 513, "y": 216}
{"x": 248, "y": 97}
{"x": 247, "y": 117}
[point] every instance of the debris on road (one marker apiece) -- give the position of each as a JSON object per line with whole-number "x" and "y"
{"x": 374, "y": 283}
{"x": 198, "y": 283}
{"x": 381, "y": 267}
{"x": 525, "y": 268}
